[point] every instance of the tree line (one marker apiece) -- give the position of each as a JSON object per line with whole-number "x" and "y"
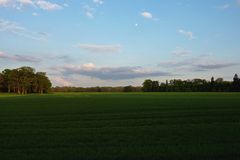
{"x": 24, "y": 80}
{"x": 97, "y": 89}
{"x": 195, "y": 85}
{"x": 175, "y": 85}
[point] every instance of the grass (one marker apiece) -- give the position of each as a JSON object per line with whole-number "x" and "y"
{"x": 112, "y": 126}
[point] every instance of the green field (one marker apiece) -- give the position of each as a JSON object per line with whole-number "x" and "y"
{"x": 110, "y": 126}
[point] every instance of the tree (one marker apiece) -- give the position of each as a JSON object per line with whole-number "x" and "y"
{"x": 128, "y": 89}
{"x": 219, "y": 80}
{"x": 212, "y": 80}
{"x": 235, "y": 78}
{"x": 24, "y": 80}
{"x": 14, "y": 80}
{"x": 1, "y": 82}
{"x": 195, "y": 85}
{"x": 155, "y": 86}
{"x": 43, "y": 84}
{"x": 147, "y": 85}
{"x": 236, "y": 83}
{"x": 7, "y": 79}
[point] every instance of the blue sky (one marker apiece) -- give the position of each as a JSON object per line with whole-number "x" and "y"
{"x": 114, "y": 43}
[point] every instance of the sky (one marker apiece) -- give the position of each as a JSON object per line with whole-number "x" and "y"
{"x": 121, "y": 42}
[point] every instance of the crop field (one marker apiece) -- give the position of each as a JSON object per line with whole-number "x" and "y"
{"x": 114, "y": 126}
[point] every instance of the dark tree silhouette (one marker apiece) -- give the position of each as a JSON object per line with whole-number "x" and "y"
{"x": 24, "y": 80}
{"x": 147, "y": 85}
{"x": 1, "y": 81}
{"x": 155, "y": 86}
{"x": 128, "y": 89}
{"x": 195, "y": 85}
{"x": 235, "y": 78}
{"x": 212, "y": 81}
{"x": 236, "y": 83}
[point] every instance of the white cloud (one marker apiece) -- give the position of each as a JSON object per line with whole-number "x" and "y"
{"x": 18, "y": 4}
{"x": 89, "y": 11}
{"x": 100, "y": 48}
{"x": 187, "y": 34}
{"x": 26, "y": 2}
{"x": 89, "y": 66}
{"x": 45, "y": 5}
{"x": 11, "y": 26}
{"x": 98, "y": 1}
{"x": 90, "y": 14}
{"x": 147, "y": 15}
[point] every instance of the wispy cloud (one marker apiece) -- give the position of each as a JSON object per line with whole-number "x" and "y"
{"x": 179, "y": 52}
{"x": 89, "y": 11}
{"x": 200, "y": 63}
{"x": 45, "y": 5}
{"x": 187, "y": 34}
{"x": 10, "y": 26}
{"x": 205, "y": 67}
{"x": 65, "y": 58}
{"x": 15, "y": 28}
{"x": 224, "y": 7}
{"x": 35, "y": 14}
{"x": 25, "y": 2}
{"x": 229, "y": 5}
{"x": 19, "y": 4}
{"x": 99, "y": 2}
{"x": 19, "y": 58}
{"x": 100, "y": 48}
{"x": 109, "y": 73}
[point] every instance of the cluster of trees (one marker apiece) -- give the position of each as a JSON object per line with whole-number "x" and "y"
{"x": 97, "y": 89}
{"x": 24, "y": 80}
{"x": 195, "y": 85}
